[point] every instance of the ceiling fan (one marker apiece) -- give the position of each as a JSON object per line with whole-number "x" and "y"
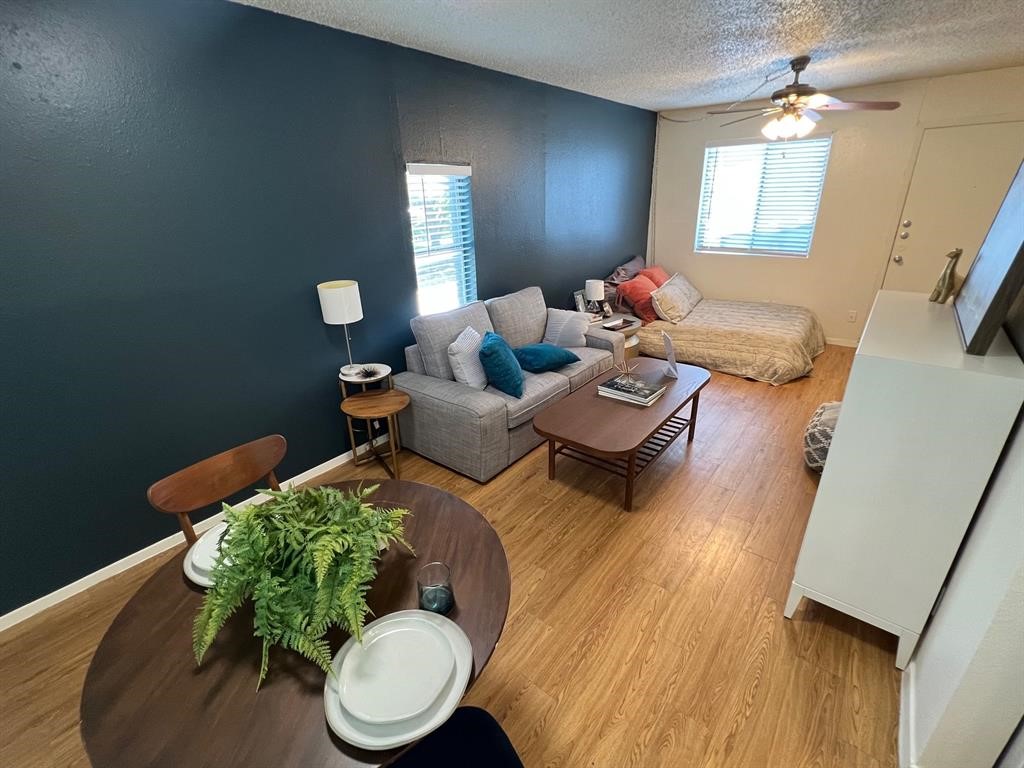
{"x": 797, "y": 106}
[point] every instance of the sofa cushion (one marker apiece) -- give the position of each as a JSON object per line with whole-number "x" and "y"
{"x": 464, "y": 358}
{"x": 435, "y": 332}
{"x": 539, "y": 391}
{"x": 592, "y": 363}
{"x": 519, "y": 317}
{"x": 566, "y": 328}
{"x": 500, "y": 364}
{"x": 539, "y": 358}
{"x": 675, "y": 299}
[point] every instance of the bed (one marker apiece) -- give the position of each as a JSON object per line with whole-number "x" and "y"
{"x": 767, "y": 342}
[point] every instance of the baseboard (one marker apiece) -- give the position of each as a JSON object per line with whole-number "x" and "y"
{"x": 843, "y": 342}
{"x": 19, "y": 615}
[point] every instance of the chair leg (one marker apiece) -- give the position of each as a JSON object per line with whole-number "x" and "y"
{"x": 186, "y": 527}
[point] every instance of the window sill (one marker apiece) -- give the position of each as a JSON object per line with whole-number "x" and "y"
{"x": 756, "y": 254}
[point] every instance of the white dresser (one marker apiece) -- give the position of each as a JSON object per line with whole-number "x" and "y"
{"x": 921, "y": 428}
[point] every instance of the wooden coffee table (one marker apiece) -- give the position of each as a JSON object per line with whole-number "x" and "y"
{"x": 620, "y": 437}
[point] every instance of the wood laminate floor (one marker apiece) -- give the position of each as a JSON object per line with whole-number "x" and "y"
{"x": 651, "y": 638}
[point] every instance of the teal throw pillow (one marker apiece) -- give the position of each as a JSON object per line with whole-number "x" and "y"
{"x": 538, "y": 358}
{"x": 500, "y": 365}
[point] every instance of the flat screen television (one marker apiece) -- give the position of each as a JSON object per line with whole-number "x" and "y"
{"x": 997, "y": 275}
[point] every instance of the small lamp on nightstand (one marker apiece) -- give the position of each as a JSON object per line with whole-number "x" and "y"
{"x": 340, "y": 305}
{"x": 593, "y": 292}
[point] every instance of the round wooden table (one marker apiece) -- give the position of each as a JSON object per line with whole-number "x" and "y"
{"x": 146, "y": 703}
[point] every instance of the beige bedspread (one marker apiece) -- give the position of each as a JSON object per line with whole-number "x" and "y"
{"x": 768, "y": 342}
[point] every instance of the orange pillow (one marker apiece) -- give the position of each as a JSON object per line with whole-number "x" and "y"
{"x": 656, "y": 275}
{"x": 638, "y": 293}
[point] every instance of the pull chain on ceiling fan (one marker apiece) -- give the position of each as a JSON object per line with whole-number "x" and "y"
{"x": 797, "y": 106}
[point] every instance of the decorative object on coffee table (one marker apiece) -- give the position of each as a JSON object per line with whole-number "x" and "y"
{"x": 304, "y": 558}
{"x": 340, "y": 305}
{"x": 626, "y": 367}
{"x": 619, "y": 437}
{"x": 996, "y": 276}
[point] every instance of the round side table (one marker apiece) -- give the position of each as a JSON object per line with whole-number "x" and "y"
{"x": 370, "y": 406}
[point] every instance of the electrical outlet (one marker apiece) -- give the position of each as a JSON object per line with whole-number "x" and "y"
{"x": 851, "y": 316}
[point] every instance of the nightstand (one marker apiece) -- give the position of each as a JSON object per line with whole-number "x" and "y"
{"x": 632, "y": 342}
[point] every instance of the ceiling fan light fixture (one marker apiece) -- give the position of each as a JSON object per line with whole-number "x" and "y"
{"x": 771, "y": 129}
{"x": 788, "y": 126}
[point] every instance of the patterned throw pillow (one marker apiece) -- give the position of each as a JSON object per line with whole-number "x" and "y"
{"x": 675, "y": 299}
{"x": 503, "y": 370}
{"x": 464, "y": 358}
{"x": 566, "y": 328}
{"x": 656, "y": 275}
{"x": 638, "y": 293}
{"x": 818, "y": 435}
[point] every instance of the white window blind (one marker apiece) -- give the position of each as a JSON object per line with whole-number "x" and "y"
{"x": 441, "y": 210}
{"x": 761, "y": 198}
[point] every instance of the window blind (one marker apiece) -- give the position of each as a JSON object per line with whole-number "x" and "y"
{"x": 441, "y": 211}
{"x": 761, "y": 197}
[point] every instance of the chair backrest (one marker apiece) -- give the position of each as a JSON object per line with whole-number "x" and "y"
{"x": 214, "y": 479}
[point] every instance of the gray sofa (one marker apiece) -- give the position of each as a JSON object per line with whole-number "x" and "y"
{"x": 480, "y": 432}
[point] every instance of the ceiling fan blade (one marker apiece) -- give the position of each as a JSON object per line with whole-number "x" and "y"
{"x": 811, "y": 115}
{"x": 731, "y": 111}
{"x": 748, "y": 117}
{"x": 853, "y": 106}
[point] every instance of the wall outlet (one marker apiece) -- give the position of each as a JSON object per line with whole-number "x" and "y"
{"x": 851, "y": 316}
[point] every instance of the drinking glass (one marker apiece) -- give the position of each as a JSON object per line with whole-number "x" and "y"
{"x": 434, "y": 582}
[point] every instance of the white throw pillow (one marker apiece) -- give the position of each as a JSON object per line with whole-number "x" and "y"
{"x": 464, "y": 358}
{"x": 675, "y": 299}
{"x": 566, "y": 328}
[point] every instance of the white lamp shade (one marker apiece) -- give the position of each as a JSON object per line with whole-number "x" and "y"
{"x": 339, "y": 302}
{"x": 593, "y": 290}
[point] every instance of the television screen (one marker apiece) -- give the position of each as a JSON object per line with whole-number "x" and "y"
{"x": 996, "y": 276}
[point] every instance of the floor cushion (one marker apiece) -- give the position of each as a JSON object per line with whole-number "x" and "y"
{"x": 818, "y": 435}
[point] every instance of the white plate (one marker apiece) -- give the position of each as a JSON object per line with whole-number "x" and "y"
{"x": 351, "y": 729}
{"x": 397, "y": 672}
{"x": 198, "y": 563}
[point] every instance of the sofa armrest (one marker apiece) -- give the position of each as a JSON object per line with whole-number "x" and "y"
{"x": 455, "y": 425}
{"x": 613, "y": 341}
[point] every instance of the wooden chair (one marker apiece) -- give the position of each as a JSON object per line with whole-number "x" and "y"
{"x": 214, "y": 479}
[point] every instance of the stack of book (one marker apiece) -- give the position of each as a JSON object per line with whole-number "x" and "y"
{"x": 630, "y": 389}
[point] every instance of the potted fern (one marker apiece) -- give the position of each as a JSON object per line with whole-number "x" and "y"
{"x": 306, "y": 559}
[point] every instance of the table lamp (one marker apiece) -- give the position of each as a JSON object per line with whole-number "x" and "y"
{"x": 340, "y": 305}
{"x": 593, "y": 292}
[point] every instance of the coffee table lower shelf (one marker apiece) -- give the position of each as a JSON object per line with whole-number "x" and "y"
{"x": 632, "y": 465}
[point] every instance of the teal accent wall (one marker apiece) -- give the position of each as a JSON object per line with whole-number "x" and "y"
{"x": 175, "y": 178}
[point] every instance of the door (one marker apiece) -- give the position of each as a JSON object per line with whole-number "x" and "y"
{"x": 960, "y": 178}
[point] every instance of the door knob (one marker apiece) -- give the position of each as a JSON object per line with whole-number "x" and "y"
{"x": 904, "y": 235}
{"x": 907, "y": 222}
{"x": 898, "y": 259}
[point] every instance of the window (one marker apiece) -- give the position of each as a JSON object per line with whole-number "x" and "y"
{"x": 441, "y": 210}
{"x": 761, "y": 198}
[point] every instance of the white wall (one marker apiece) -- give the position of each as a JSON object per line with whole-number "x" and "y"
{"x": 869, "y": 172}
{"x": 963, "y": 693}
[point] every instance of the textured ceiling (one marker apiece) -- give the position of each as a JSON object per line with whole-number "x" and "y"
{"x": 661, "y": 54}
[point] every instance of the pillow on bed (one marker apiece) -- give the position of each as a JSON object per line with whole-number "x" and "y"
{"x": 675, "y": 299}
{"x": 656, "y": 275}
{"x": 638, "y": 293}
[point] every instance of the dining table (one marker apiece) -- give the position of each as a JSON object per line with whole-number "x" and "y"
{"x": 146, "y": 702}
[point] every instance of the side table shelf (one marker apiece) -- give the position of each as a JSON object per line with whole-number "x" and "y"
{"x": 371, "y": 405}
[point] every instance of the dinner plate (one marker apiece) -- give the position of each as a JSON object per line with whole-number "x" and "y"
{"x": 372, "y": 736}
{"x": 198, "y": 562}
{"x": 398, "y": 670}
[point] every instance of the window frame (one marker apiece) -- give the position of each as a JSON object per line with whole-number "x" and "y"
{"x": 759, "y": 252}
{"x": 466, "y": 286}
